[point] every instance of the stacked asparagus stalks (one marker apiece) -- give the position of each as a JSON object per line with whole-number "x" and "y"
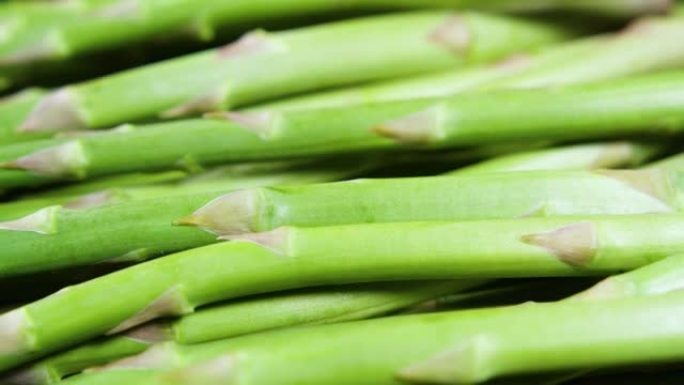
{"x": 359, "y": 192}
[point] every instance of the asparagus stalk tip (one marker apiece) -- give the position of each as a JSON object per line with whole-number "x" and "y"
{"x": 63, "y": 160}
{"x": 261, "y": 123}
{"x": 57, "y": 111}
{"x": 12, "y": 325}
{"x": 574, "y": 244}
{"x": 170, "y": 303}
{"x": 466, "y": 363}
{"x": 233, "y": 213}
{"x": 275, "y": 240}
{"x": 42, "y": 221}
{"x": 416, "y": 128}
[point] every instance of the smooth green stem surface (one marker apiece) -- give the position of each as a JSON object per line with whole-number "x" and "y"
{"x": 299, "y": 257}
{"x": 246, "y": 316}
{"x": 575, "y": 157}
{"x": 647, "y": 46}
{"x": 657, "y": 278}
{"x": 647, "y": 105}
{"x": 67, "y": 30}
{"x": 641, "y": 106}
{"x": 307, "y": 59}
{"x": 491, "y": 195}
{"x": 463, "y": 347}
{"x": 95, "y": 228}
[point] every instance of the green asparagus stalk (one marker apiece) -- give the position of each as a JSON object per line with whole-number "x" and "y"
{"x": 657, "y": 278}
{"x": 227, "y": 138}
{"x": 13, "y": 111}
{"x": 112, "y": 24}
{"x": 645, "y": 105}
{"x": 307, "y": 59}
{"x": 247, "y": 316}
{"x": 654, "y": 279}
{"x": 646, "y": 46}
{"x": 532, "y": 193}
{"x": 300, "y": 257}
{"x": 674, "y": 162}
{"x": 130, "y": 187}
{"x": 93, "y": 194}
{"x": 54, "y": 369}
{"x": 138, "y": 228}
{"x": 576, "y": 157}
{"x": 456, "y": 347}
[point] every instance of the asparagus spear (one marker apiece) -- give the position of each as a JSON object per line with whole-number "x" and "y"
{"x": 307, "y": 59}
{"x": 649, "y": 45}
{"x": 455, "y": 348}
{"x": 13, "y": 110}
{"x": 97, "y": 27}
{"x": 645, "y": 105}
{"x": 136, "y": 229}
{"x": 533, "y": 193}
{"x": 674, "y": 162}
{"x": 657, "y": 278}
{"x": 576, "y": 157}
{"x": 299, "y": 257}
{"x": 654, "y": 279}
{"x": 146, "y": 186}
{"x": 247, "y": 316}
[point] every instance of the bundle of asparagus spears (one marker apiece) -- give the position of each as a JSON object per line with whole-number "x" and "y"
{"x": 300, "y": 192}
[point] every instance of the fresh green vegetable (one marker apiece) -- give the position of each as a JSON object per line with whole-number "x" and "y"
{"x": 640, "y": 106}
{"x": 452, "y": 348}
{"x": 575, "y": 157}
{"x": 657, "y": 278}
{"x": 307, "y": 59}
{"x": 527, "y": 194}
{"x": 647, "y": 105}
{"x": 246, "y": 316}
{"x": 137, "y": 228}
{"x": 300, "y": 257}
{"x": 646, "y": 46}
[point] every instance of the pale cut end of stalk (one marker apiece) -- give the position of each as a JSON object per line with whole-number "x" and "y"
{"x": 221, "y": 370}
{"x": 13, "y": 326}
{"x": 574, "y": 244}
{"x": 262, "y": 123}
{"x": 469, "y": 362}
{"x": 653, "y": 182}
{"x": 151, "y": 333}
{"x": 66, "y": 160}
{"x": 58, "y": 111}
{"x": 170, "y": 303}
{"x": 43, "y": 221}
{"x": 275, "y": 240}
{"x": 251, "y": 43}
{"x": 454, "y": 34}
{"x": 121, "y": 10}
{"x": 609, "y": 288}
{"x": 211, "y": 100}
{"x": 92, "y": 200}
{"x": 233, "y": 213}
{"x": 50, "y": 46}
{"x": 156, "y": 357}
{"x": 417, "y": 128}
{"x": 37, "y": 375}
{"x": 658, "y": 6}
{"x": 615, "y": 153}
{"x": 514, "y": 63}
